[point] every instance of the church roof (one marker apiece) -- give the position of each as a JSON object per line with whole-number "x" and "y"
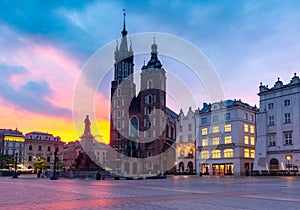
{"x": 154, "y": 62}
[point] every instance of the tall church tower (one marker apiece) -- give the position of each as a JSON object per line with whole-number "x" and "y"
{"x": 153, "y": 105}
{"x": 123, "y": 89}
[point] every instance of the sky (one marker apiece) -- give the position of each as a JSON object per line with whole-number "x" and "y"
{"x": 45, "y": 44}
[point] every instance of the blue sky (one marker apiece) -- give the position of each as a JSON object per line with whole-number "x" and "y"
{"x": 44, "y": 44}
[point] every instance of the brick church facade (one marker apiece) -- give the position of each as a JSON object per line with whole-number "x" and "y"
{"x": 141, "y": 125}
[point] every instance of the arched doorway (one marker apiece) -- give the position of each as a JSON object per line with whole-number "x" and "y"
{"x": 181, "y": 167}
{"x": 274, "y": 164}
{"x": 127, "y": 168}
{"x": 134, "y": 168}
{"x": 190, "y": 166}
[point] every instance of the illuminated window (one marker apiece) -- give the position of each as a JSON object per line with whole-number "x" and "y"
{"x": 252, "y": 153}
{"x": 215, "y": 129}
{"x": 246, "y": 153}
{"x": 204, "y": 142}
{"x": 252, "y": 140}
{"x": 216, "y": 154}
{"x": 216, "y": 141}
{"x": 246, "y": 139}
{"x": 251, "y": 128}
{"x": 227, "y": 140}
{"x": 246, "y": 128}
{"x": 204, "y": 131}
{"x": 227, "y": 128}
{"x": 204, "y": 154}
{"x": 228, "y": 153}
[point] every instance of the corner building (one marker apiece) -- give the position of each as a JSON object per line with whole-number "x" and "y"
{"x": 225, "y": 138}
{"x": 278, "y": 123}
{"x": 141, "y": 125}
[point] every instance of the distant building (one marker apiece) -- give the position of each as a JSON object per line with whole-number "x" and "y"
{"x": 185, "y": 142}
{"x": 42, "y": 145}
{"x": 71, "y": 152}
{"x": 278, "y": 126}
{"x": 225, "y": 138}
{"x": 12, "y": 142}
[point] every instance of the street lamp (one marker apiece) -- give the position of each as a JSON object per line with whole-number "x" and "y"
{"x": 54, "y": 167}
{"x": 16, "y": 161}
{"x": 288, "y": 158}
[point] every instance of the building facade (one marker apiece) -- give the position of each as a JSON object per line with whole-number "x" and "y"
{"x": 42, "y": 145}
{"x": 225, "y": 138}
{"x": 141, "y": 125}
{"x": 12, "y": 144}
{"x": 185, "y": 142}
{"x": 278, "y": 123}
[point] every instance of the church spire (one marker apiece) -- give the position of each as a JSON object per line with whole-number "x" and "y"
{"x": 124, "y": 32}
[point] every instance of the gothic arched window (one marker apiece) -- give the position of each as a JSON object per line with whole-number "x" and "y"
{"x": 149, "y": 84}
{"x": 134, "y": 126}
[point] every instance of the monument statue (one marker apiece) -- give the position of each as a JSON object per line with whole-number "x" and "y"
{"x": 87, "y": 128}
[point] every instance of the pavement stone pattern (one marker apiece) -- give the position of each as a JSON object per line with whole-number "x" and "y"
{"x": 178, "y": 192}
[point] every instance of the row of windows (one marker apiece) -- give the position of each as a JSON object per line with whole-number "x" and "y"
{"x": 216, "y": 141}
{"x": 20, "y": 153}
{"x": 227, "y": 140}
{"x": 40, "y": 137}
{"x": 149, "y": 99}
{"x": 251, "y": 142}
{"x": 215, "y": 118}
{"x": 227, "y": 128}
{"x": 227, "y": 116}
{"x": 190, "y": 127}
{"x": 190, "y": 138}
{"x": 227, "y": 153}
{"x": 7, "y": 144}
{"x": 286, "y": 102}
{"x": 30, "y": 159}
{"x": 147, "y": 111}
{"x": 287, "y": 119}
{"x": 216, "y": 129}
{"x": 39, "y": 148}
{"x": 118, "y": 102}
{"x": 287, "y": 139}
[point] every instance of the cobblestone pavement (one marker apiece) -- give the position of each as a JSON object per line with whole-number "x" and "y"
{"x": 192, "y": 192}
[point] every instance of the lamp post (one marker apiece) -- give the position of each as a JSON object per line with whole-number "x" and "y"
{"x": 288, "y": 158}
{"x": 54, "y": 167}
{"x": 16, "y": 161}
